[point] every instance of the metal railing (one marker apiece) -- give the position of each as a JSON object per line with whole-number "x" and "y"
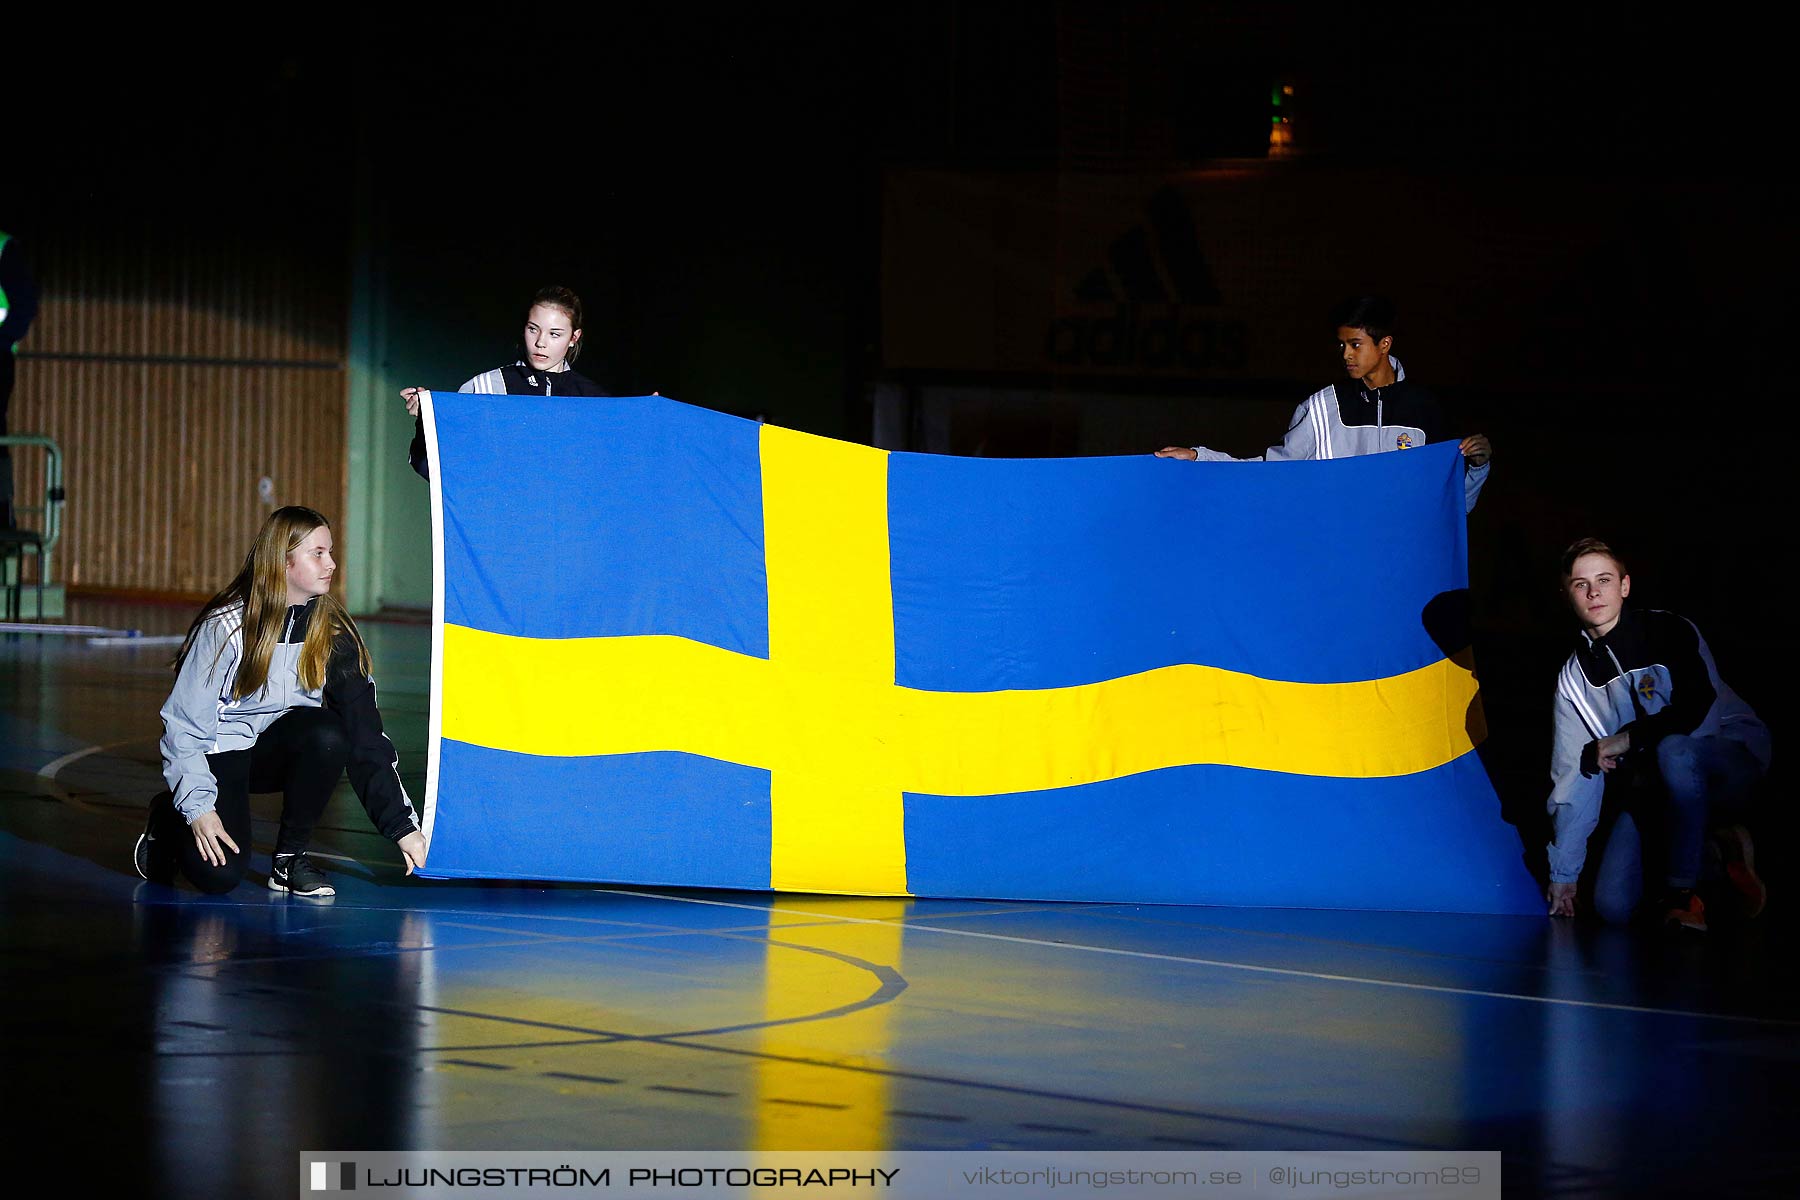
{"x": 49, "y": 512}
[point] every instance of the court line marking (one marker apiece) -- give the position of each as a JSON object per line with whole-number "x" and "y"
{"x": 1113, "y": 912}
{"x": 1288, "y": 972}
{"x": 50, "y": 770}
{"x": 677, "y": 1041}
{"x": 949, "y": 1081}
{"x": 889, "y": 984}
{"x": 815, "y": 919}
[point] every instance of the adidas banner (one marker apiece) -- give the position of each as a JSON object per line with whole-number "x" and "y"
{"x": 678, "y": 648}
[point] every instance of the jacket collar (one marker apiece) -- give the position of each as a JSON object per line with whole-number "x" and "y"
{"x": 1618, "y": 635}
{"x": 295, "y": 621}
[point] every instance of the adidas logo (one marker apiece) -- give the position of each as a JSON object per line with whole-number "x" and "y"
{"x": 1155, "y": 273}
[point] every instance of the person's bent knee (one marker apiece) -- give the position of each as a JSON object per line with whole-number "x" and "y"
{"x": 327, "y": 739}
{"x": 1615, "y": 909}
{"x": 1677, "y": 754}
{"x": 1679, "y": 762}
{"x": 216, "y": 881}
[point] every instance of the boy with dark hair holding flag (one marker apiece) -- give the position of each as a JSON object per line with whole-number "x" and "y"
{"x": 1374, "y": 409}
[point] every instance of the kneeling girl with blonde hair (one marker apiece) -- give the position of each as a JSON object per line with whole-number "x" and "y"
{"x": 272, "y": 694}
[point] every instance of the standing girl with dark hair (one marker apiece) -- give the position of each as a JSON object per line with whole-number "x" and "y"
{"x": 551, "y": 344}
{"x": 272, "y": 693}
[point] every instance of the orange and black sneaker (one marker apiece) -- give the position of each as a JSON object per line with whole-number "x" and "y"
{"x": 1738, "y": 855}
{"x": 1685, "y": 910}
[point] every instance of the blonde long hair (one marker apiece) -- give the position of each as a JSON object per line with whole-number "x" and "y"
{"x": 260, "y": 590}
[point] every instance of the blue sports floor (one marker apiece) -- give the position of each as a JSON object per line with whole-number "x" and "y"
{"x": 180, "y": 1045}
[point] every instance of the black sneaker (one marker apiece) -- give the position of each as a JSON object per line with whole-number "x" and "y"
{"x": 153, "y": 860}
{"x": 295, "y": 874}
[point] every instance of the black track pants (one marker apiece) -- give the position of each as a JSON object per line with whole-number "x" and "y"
{"x": 302, "y": 756}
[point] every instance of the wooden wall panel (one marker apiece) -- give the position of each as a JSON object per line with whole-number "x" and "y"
{"x": 176, "y": 372}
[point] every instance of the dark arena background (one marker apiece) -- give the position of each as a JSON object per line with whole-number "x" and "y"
{"x": 1000, "y": 229}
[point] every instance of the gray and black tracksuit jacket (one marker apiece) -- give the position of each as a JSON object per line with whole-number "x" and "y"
{"x": 1654, "y": 675}
{"x": 201, "y": 718}
{"x": 1347, "y": 419}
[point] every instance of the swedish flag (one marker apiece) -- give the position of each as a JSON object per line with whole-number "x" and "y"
{"x": 674, "y": 647}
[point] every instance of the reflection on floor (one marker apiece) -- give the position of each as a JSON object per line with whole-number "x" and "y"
{"x": 170, "y": 1038}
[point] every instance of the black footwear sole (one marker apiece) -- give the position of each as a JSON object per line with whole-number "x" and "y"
{"x": 141, "y": 853}
{"x": 140, "y": 858}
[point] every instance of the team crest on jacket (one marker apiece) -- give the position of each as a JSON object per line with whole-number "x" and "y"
{"x": 1403, "y": 442}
